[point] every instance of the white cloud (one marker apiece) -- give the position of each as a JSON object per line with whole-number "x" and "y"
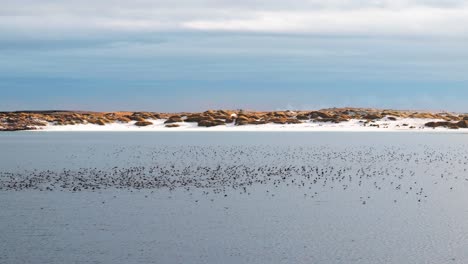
{"x": 373, "y": 17}
{"x": 374, "y": 21}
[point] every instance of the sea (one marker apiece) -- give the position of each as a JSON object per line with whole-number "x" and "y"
{"x": 233, "y": 197}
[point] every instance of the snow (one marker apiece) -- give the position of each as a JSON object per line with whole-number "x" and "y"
{"x": 354, "y": 125}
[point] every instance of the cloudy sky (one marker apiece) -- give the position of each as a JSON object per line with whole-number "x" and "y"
{"x": 187, "y": 55}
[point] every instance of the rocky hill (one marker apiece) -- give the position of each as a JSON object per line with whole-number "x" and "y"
{"x": 32, "y": 120}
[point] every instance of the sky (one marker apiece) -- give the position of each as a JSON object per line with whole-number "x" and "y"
{"x": 187, "y": 55}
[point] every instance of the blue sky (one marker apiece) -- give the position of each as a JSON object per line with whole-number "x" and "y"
{"x": 182, "y": 55}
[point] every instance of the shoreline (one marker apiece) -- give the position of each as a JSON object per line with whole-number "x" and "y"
{"x": 309, "y": 127}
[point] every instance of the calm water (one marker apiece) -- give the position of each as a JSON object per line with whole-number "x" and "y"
{"x": 233, "y": 198}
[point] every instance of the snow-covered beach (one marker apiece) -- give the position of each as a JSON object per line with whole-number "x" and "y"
{"x": 354, "y": 125}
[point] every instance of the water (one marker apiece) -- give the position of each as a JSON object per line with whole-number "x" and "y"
{"x": 233, "y": 198}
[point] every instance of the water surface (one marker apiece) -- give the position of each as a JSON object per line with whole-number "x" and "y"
{"x": 233, "y": 197}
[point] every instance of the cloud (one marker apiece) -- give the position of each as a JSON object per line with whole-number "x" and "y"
{"x": 368, "y": 17}
{"x": 374, "y": 21}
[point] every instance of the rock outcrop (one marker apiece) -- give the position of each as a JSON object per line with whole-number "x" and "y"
{"x": 174, "y": 119}
{"x": 448, "y": 124}
{"x": 211, "y": 123}
{"x": 143, "y": 123}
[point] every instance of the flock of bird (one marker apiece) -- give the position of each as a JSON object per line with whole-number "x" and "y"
{"x": 219, "y": 170}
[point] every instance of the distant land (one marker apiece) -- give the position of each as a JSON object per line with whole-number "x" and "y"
{"x": 331, "y": 119}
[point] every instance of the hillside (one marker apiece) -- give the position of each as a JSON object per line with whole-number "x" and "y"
{"x": 332, "y": 117}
